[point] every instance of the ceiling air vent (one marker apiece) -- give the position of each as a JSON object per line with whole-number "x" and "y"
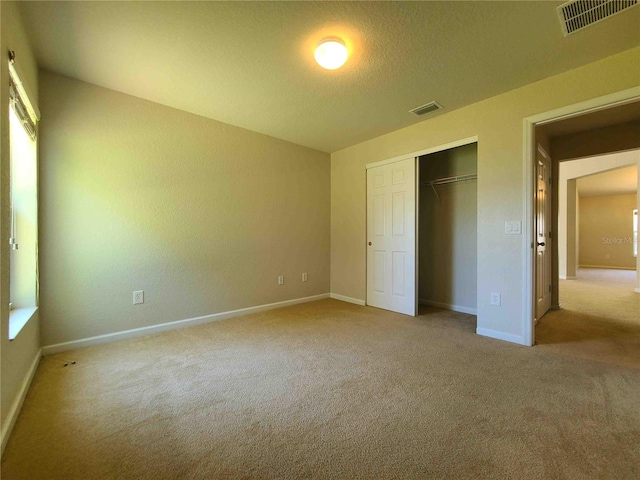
{"x": 578, "y": 14}
{"x": 424, "y": 109}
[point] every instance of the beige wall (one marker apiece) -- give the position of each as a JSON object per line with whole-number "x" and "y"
{"x": 572, "y": 245}
{"x": 447, "y": 230}
{"x": 616, "y": 138}
{"x": 201, "y": 215}
{"x": 19, "y": 354}
{"x": 498, "y": 123}
{"x": 606, "y": 231}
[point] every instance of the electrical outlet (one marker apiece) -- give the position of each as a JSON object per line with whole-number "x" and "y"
{"x": 495, "y": 299}
{"x": 138, "y": 297}
{"x": 304, "y": 277}
{"x": 280, "y": 279}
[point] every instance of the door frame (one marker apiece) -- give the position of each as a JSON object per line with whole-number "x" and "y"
{"x": 416, "y": 157}
{"x": 529, "y": 155}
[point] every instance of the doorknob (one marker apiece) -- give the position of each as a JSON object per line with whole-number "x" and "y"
{"x": 541, "y": 244}
{"x": 370, "y": 244}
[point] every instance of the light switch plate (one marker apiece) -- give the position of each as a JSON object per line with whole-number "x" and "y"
{"x": 513, "y": 228}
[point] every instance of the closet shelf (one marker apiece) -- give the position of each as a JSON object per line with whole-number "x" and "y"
{"x": 446, "y": 180}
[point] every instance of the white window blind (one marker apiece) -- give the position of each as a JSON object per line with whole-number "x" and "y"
{"x": 21, "y": 104}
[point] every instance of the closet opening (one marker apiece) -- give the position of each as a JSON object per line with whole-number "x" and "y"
{"x": 447, "y": 232}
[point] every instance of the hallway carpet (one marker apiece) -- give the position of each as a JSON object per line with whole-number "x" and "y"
{"x": 330, "y": 390}
{"x": 603, "y": 293}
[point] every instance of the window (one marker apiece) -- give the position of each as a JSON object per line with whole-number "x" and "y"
{"x": 23, "y": 265}
{"x": 635, "y": 233}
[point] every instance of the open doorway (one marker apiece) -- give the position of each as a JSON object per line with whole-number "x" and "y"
{"x": 602, "y": 276}
{"x": 594, "y": 172}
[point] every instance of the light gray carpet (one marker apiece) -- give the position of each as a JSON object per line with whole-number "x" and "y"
{"x": 332, "y": 390}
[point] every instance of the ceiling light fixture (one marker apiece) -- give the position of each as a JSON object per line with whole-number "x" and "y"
{"x": 331, "y": 53}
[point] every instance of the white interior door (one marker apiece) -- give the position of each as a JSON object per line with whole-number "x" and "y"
{"x": 391, "y": 236}
{"x": 543, "y": 237}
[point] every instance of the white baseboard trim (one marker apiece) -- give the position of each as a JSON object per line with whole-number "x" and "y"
{"x": 507, "y": 337}
{"x": 637, "y": 290}
{"x": 342, "y": 298}
{"x": 607, "y": 267}
{"x": 567, "y": 277}
{"x": 449, "y": 306}
{"x": 163, "y": 327}
{"x": 16, "y": 406}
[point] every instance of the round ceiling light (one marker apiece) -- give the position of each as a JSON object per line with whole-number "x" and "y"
{"x": 331, "y": 53}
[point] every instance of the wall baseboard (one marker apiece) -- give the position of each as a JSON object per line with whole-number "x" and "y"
{"x": 342, "y": 298}
{"x": 449, "y": 306}
{"x": 163, "y": 327}
{"x": 16, "y": 406}
{"x": 607, "y": 267}
{"x": 637, "y": 290}
{"x": 507, "y": 337}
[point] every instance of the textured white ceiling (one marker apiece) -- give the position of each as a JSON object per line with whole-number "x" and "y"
{"x": 251, "y": 64}
{"x": 613, "y": 182}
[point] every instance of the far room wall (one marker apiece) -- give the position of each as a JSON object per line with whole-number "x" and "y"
{"x": 201, "y": 215}
{"x": 606, "y": 231}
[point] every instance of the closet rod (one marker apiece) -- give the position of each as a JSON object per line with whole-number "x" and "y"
{"x": 446, "y": 180}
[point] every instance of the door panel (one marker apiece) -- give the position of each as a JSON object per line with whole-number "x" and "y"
{"x": 398, "y": 265}
{"x": 391, "y": 236}
{"x": 378, "y": 271}
{"x": 378, "y": 215}
{"x": 398, "y": 213}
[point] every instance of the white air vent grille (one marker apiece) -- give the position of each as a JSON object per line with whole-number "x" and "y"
{"x": 578, "y": 14}
{"x": 424, "y": 109}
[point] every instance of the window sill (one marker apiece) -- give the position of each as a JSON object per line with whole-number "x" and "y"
{"x": 18, "y": 318}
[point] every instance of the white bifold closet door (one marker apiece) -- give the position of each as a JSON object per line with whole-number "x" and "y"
{"x": 391, "y": 236}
